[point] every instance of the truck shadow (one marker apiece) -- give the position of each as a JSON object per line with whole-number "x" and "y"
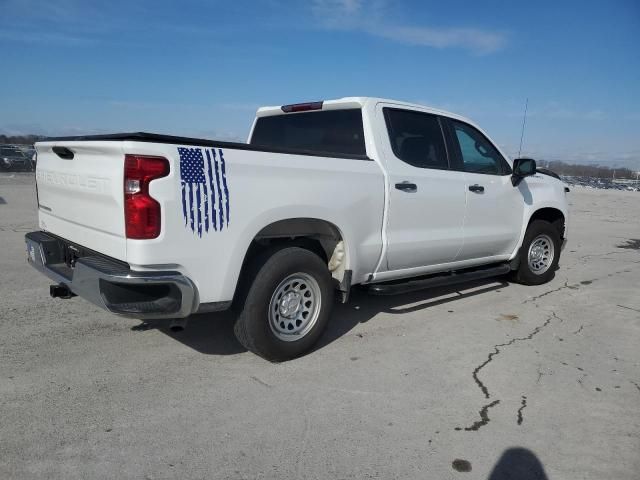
{"x": 212, "y": 333}
{"x": 208, "y": 333}
{"x": 362, "y": 306}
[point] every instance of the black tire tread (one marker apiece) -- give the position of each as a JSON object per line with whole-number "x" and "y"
{"x": 523, "y": 275}
{"x": 256, "y": 280}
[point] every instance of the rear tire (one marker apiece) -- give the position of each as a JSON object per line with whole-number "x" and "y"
{"x": 285, "y": 303}
{"x": 539, "y": 254}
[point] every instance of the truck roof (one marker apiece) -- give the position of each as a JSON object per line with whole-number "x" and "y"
{"x": 361, "y": 102}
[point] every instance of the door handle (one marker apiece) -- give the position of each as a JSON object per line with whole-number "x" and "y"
{"x": 407, "y": 187}
{"x": 476, "y": 188}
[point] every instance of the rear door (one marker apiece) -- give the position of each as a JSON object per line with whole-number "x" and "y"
{"x": 494, "y": 212}
{"x": 80, "y": 193}
{"x": 426, "y": 198}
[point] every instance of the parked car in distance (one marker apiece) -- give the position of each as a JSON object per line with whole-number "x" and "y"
{"x": 324, "y": 196}
{"x": 12, "y": 158}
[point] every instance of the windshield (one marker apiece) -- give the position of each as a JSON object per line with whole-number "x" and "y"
{"x": 11, "y": 152}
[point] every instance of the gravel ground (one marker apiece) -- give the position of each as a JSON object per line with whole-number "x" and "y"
{"x": 490, "y": 380}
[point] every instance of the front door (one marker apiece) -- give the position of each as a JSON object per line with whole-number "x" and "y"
{"x": 495, "y": 207}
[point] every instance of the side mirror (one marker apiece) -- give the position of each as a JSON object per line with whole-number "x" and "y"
{"x": 522, "y": 167}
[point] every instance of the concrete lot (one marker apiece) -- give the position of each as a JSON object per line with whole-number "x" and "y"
{"x": 536, "y": 382}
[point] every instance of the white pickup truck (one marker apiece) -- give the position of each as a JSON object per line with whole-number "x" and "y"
{"x": 324, "y": 196}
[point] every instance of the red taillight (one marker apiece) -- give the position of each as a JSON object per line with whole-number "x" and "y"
{"x": 141, "y": 212}
{"x": 301, "y": 107}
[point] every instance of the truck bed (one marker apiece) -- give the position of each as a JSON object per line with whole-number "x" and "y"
{"x": 200, "y": 142}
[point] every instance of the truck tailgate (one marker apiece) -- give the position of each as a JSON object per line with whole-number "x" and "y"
{"x": 80, "y": 193}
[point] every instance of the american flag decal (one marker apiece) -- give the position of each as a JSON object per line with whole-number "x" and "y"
{"x": 205, "y": 193}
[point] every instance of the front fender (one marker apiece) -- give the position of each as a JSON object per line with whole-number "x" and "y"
{"x": 541, "y": 191}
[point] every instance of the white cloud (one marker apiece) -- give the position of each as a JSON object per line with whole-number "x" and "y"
{"x": 479, "y": 41}
{"x": 556, "y": 110}
{"x": 38, "y": 129}
{"x": 240, "y": 106}
{"x": 348, "y": 6}
{"x": 370, "y": 16}
{"x": 47, "y": 38}
{"x": 337, "y": 8}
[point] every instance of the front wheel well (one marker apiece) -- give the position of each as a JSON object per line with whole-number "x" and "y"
{"x": 551, "y": 215}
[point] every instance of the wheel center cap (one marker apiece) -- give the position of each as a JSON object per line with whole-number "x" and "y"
{"x": 536, "y": 253}
{"x": 290, "y": 304}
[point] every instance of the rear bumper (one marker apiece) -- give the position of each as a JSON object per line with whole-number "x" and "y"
{"x": 111, "y": 284}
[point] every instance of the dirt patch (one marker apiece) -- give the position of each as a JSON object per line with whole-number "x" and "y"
{"x": 631, "y": 244}
{"x": 460, "y": 465}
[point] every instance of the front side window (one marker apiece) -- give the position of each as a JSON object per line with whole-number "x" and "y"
{"x": 477, "y": 153}
{"x": 416, "y": 138}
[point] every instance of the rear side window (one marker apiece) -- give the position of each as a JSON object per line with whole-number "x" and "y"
{"x": 416, "y": 138}
{"x": 330, "y": 131}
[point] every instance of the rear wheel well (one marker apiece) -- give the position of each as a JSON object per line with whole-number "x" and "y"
{"x": 318, "y": 236}
{"x": 551, "y": 215}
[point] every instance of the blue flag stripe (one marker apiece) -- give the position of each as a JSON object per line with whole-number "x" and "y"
{"x": 220, "y": 210}
{"x": 213, "y": 192}
{"x": 198, "y": 209}
{"x": 224, "y": 183}
{"x": 205, "y": 198}
{"x": 191, "y": 216}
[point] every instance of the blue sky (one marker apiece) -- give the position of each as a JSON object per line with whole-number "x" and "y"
{"x": 201, "y": 68}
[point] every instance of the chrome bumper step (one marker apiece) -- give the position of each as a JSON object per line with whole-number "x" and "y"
{"x": 109, "y": 283}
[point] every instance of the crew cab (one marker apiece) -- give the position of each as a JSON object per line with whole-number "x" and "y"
{"x": 323, "y": 196}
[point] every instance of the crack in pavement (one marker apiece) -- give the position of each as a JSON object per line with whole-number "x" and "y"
{"x": 497, "y": 350}
{"x": 484, "y": 416}
{"x": 617, "y": 252}
{"x": 548, "y": 292}
{"x": 576, "y": 286}
{"x": 257, "y": 380}
{"x": 523, "y": 404}
{"x": 629, "y": 308}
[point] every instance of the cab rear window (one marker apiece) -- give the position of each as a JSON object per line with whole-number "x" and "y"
{"x": 329, "y": 131}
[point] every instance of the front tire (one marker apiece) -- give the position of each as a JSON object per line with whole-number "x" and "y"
{"x": 539, "y": 254}
{"x": 286, "y": 307}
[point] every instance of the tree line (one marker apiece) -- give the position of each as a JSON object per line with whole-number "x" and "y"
{"x": 594, "y": 171}
{"x": 21, "y": 139}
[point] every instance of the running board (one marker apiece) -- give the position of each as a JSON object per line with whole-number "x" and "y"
{"x": 439, "y": 280}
